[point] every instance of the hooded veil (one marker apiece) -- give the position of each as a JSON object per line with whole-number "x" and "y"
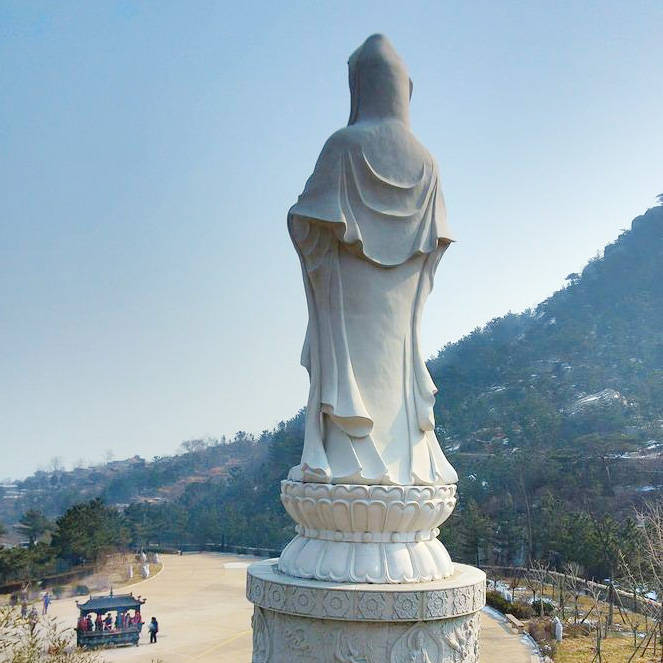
{"x": 370, "y": 228}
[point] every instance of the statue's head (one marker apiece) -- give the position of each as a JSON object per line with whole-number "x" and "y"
{"x": 380, "y": 86}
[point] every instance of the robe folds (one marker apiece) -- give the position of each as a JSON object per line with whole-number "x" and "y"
{"x": 370, "y": 229}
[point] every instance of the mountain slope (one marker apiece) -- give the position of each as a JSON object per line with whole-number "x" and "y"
{"x": 605, "y": 330}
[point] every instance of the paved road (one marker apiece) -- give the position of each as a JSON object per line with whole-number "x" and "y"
{"x": 204, "y": 617}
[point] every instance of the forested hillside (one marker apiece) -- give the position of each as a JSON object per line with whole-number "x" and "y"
{"x": 555, "y": 416}
{"x": 553, "y": 419}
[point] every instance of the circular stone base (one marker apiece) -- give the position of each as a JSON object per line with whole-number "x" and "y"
{"x": 312, "y": 621}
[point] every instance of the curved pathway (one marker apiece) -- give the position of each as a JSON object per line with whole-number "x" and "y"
{"x": 203, "y": 616}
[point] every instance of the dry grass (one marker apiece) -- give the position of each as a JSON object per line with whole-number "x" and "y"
{"x": 584, "y": 605}
{"x": 115, "y": 572}
{"x": 615, "y": 649}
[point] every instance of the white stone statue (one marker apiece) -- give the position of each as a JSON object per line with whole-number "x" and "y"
{"x": 370, "y": 229}
{"x": 366, "y": 578}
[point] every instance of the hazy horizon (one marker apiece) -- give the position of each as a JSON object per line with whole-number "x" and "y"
{"x": 149, "y": 290}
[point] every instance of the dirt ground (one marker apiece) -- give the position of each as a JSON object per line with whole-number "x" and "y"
{"x": 203, "y": 616}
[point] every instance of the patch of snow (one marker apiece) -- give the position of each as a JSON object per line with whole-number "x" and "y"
{"x": 495, "y": 614}
{"x": 603, "y": 397}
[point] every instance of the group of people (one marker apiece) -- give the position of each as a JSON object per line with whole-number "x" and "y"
{"x": 32, "y": 616}
{"x": 123, "y": 620}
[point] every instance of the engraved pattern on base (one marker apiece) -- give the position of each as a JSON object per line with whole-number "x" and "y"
{"x": 295, "y": 639}
{"x": 261, "y": 637}
{"x": 463, "y": 594}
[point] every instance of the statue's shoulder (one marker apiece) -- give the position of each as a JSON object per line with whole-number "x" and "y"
{"x": 388, "y": 149}
{"x": 345, "y": 139}
{"x": 377, "y": 138}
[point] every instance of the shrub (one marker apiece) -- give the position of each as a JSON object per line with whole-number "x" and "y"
{"x": 20, "y": 642}
{"x": 577, "y": 630}
{"x": 58, "y": 591}
{"x": 521, "y": 610}
{"x": 497, "y": 601}
{"x": 81, "y": 590}
{"x": 548, "y": 607}
{"x": 538, "y": 629}
{"x": 542, "y": 633}
{"x": 518, "y": 609}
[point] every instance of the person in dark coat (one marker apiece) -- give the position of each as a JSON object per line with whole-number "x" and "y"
{"x": 153, "y": 628}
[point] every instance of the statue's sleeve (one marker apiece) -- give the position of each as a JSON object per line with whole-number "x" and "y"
{"x": 387, "y": 221}
{"x": 320, "y": 199}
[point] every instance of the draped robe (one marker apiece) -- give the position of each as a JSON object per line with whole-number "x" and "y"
{"x": 370, "y": 229}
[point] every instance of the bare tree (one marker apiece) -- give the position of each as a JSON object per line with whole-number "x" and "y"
{"x": 645, "y": 573}
{"x": 558, "y": 583}
{"x": 575, "y": 584}
{"x": 651, "y": 517}
{"x": 514, "y": 580}
{"x": 597, "y": 609}
{"x": 536, "y": 578}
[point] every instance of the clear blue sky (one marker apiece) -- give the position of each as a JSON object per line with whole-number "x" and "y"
{"x": 149, "y": 152}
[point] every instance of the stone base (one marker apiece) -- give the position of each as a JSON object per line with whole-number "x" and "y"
{"x": 312, "y": 621}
